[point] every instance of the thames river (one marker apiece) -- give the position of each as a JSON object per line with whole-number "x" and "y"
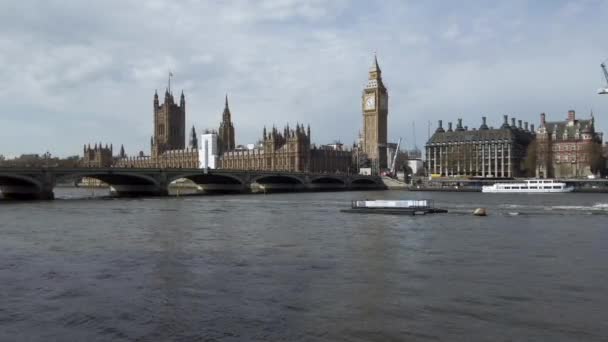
{"x": 291, "y": 267}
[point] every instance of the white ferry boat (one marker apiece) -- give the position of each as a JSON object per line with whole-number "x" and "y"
{"x": 529, "y": 186}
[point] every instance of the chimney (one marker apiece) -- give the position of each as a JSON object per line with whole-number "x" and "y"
{"x": 513, "y": 122}
{"x": 571, "y": 115}
{"x": 449, "y": 126}
{"x": 532, "y": 128}
{"x": 519, "y": 124}
{"x": 542, "y": 119}
{"x": 440, "y": 127}
{"x": 505, "y": 122}
{"x": 483, "y": 124}
{"x": 526, "y": 125}
{"x": 459, "y": 126}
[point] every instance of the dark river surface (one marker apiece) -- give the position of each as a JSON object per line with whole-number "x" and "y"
{"x": 291, "y": 267}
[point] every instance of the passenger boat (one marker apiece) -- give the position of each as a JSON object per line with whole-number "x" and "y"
{"x": 398, "y": 207}
{"x": 529, "y": 186}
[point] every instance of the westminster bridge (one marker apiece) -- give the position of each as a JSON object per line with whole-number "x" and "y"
{"x": 38, "y": 183}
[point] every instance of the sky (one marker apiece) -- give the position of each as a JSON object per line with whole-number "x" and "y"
{"x": 76, "y": 72}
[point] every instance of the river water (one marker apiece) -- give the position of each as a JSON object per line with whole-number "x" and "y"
{"x": 291, "y": 267}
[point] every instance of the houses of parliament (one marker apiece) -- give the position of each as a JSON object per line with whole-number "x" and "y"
{"x": 288, "y": 149}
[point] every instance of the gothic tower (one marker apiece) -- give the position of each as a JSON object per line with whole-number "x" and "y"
{"x": 375, "y": 117}
{"x": 193, "y": 139}
{"x": 226, "y": 131}
{"x": 169, "y": 124}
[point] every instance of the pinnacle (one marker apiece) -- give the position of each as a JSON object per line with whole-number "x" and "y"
{"x": 375, "y": 66}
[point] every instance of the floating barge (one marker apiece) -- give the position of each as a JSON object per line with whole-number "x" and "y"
{"x": 402, "y": 207}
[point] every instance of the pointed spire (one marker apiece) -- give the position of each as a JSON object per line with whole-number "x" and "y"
{"x": 375, "y": 66}
{"x": 193, "y": 139}
{"x": 122, "y": 151}
{"x": 226, "y": 113}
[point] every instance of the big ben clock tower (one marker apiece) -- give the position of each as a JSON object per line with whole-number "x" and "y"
{"x": 375, "y": 114}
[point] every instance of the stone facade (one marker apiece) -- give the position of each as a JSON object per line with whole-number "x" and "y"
{"x": 375, "y": 118}
{"x": 288, "y": 151}
{"x": 483, "y": 152}
{"x": 186, "y": 158}
{"x": 167, "y": 145}
{"x": 567, "y": 148}
{"x": 226, "y": 131}
{"x": 97, "y": 156}
{"x": 169, "y": 125}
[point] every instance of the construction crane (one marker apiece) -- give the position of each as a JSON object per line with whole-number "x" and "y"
{"x": 604, "y": 90}
{"x": 394, "y": 163}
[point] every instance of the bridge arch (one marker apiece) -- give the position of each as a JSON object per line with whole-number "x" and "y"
{"x": 209, "y": 178}
{"x": 214, "y": 183}
{"x": 368, "y": 181}
{"x": 278, "y": 179}
{"x": 17, "y": 186}
{"x": 19, "y": 180}
{"x": 277, "y": 183}
{"x": 365, "y": 183}
{"x": 327, "y": 180}
{"x": 113, "y": 178}
{"x": 123, "y": 183}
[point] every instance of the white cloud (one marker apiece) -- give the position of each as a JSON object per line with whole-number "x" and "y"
{"x": 76, "y": 71}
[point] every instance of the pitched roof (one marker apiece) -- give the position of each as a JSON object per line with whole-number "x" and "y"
{"x": 561, "y": 130}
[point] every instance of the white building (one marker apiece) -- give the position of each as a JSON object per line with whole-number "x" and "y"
{"x": 416, "y": 165}
{"x": 207, "y": 155}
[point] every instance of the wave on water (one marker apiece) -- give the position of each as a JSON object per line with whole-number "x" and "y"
{"x": 595, "y": 207}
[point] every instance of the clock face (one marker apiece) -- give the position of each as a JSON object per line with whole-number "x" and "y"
{"x": 370, "y": 102}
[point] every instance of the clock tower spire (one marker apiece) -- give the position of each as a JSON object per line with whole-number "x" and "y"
{"x": 375, "y": 118}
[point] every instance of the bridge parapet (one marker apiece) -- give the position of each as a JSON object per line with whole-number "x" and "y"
{"x": 39, "y": 183}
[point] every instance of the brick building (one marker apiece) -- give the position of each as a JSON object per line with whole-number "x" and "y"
{"x": 569, "y": 148}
